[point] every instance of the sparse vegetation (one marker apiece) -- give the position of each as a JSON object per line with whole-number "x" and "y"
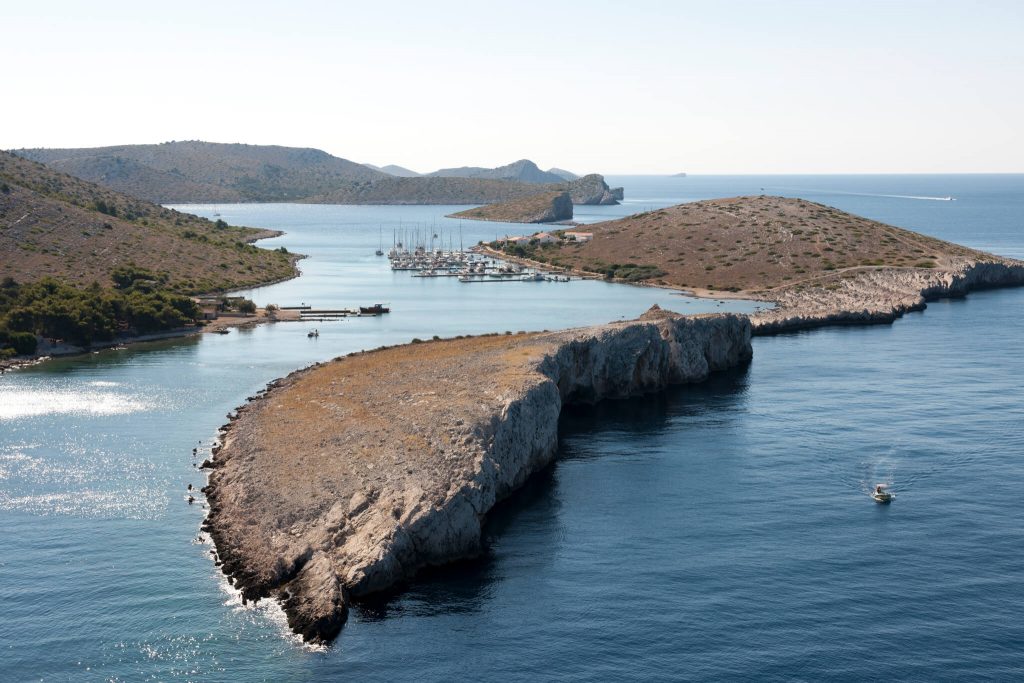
{"x": 81, "y": 233}
{"x": 746, "y": 244}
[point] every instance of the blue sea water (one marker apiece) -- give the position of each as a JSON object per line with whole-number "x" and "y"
{"x": 718, "y": 531}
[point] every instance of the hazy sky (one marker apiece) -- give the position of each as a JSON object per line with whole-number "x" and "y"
{"x": 629, "y": 86}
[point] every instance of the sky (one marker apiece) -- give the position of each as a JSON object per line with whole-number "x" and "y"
{"x": 640, "y": 86}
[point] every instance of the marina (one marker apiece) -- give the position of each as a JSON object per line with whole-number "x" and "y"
{"x": 428, "y": 258}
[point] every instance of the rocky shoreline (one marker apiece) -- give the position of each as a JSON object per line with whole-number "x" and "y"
{"x": 404, "y": 478}
{"x": 879, "y": 296}
{"x": 859, "y": 296}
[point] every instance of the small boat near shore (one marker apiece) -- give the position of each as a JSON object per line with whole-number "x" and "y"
{"x": 376, "y": 309}
{"x": 882, "y": 494}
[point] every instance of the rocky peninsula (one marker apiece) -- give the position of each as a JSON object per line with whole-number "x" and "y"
{"x": 817, "y": 265}
{"x": 547, "y": 207}
{"x": 881, "y": 295}
{"x": 346, "y": 478}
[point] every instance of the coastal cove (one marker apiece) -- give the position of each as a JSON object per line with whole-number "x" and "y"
{"x": 95, "y": 456}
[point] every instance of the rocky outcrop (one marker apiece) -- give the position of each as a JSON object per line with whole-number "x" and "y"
{"x": 546, "y": 207}
{"x": 882, "y": 295}
{"x": 592, "y": 189}
{"x": 346, "y": 478}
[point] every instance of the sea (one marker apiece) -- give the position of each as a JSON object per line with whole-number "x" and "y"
{"x": 719, "y": 531}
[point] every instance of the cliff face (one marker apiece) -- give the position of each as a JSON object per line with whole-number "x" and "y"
{"x": 347, "y": 478}
{"x": 592, "y": 189}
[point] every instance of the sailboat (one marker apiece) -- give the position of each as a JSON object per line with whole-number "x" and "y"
{"x": 380, "y": 240}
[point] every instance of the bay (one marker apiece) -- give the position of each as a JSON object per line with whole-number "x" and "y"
{"x": 715, "y": 531}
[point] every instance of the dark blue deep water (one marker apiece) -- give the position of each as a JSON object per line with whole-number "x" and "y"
{"x": 717, "y": 531}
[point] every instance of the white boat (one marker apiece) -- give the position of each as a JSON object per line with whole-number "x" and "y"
{"x": 882, "y": 494}
{"x": 533, "y": 277}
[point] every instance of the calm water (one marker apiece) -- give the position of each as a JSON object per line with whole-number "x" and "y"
{"x": 717, "y": 531}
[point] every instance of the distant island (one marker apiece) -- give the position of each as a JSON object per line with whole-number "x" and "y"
{"x": 591, "y": 189}
{"x": 83, "y": 263}
{"x": 546, "y": 207}
{"x": 395, "y": 170}
{"x": 202, "y": 172}
{"x": 524, "y": 171}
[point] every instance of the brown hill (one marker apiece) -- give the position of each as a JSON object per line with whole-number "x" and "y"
{"x": 52, "y": 224}
{"x": 524, "y": 171}
{"x": 545, "y": 207}
{"x": 749, "y": 244}
{"x": 196, "y": 171}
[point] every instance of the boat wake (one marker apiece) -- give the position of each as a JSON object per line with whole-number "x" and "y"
{"x": 904, "y": 474}
{"x": 901, "y": 468}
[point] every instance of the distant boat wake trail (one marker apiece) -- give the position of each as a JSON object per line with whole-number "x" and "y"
{"x": 866, "y": 194}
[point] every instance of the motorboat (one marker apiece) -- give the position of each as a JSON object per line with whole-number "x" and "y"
{"x": 882, "y": 494}
{"x": 533, "y": 277}
{"x": 313, "y": 333}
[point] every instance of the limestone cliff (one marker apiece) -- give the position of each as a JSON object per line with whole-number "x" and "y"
{"x": 346, "y": 478}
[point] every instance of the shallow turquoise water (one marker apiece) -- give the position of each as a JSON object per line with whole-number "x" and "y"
{"x": 718, "y": 531}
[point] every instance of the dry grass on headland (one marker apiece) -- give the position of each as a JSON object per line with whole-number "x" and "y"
{"x": 346, "y": 478}
{"x": 818, "y": 264}
{"x": 746, "y": 244}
